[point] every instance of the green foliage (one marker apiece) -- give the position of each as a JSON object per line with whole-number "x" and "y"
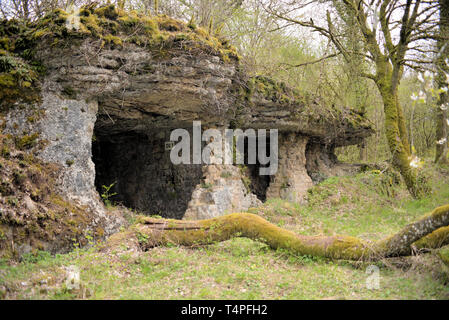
{"x": 244, "y": 269}
{"x": 16, "y": 80}
{"x": 272, "y": 90}
{"x": 443, "y": 253}
{"x": 142, "y": 237}
{"x": 192, "y": 25}
{"x": 106, "y": 195}
{"x": 206, "y": 185}
{"x": 27, "y": 141}
{"x": 20, "y": 70}
{"x": 5, "y": 152}
{"x": 69, "y": 92}
{"x": 156, "y": 7}
{"x": 226, "y": 174}
{"x": 36, "y": 257}
{"x": 12, "y": 201}
{"x": 114, "y": 26}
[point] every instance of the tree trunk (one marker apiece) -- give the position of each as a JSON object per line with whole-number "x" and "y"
{"x": 441, "y": 115}
{"x": 441, "y": 152}
{"x": 401, "y": 125}
{"x": 395, "y": 128}
{"x": 400, "y": 152}
{"x": 429, "y": 232}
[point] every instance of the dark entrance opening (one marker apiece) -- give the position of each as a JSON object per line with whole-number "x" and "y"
{"x": 258, "y": 184}
{"x": 137, "y": 164}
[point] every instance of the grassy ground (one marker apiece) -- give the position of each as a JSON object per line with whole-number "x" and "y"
{"x": 369, "y": 205}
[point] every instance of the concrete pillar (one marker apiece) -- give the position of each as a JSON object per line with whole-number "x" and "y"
{"x": 291, "y": 181}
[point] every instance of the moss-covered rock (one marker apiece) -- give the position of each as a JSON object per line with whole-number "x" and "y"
{"x": 18, "y": 77}
{"x": 270, "y": 89}
{"x": 116, "y": 26}
{"x": 32, "y": 214}
{"x": 20, "y": 70}
{"x": 443, "y": 253}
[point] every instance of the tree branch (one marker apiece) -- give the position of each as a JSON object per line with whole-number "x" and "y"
{"x": 311, "y": 62}
{"x": 431, "y": 231}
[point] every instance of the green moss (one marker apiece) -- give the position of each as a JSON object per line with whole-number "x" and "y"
{"x": 192, "y": 25}
{"x": 91, "y": 23}
{"x": 247, "y": 183}
{"x": 99, "y": 232}
{"x": 206, "y": 185}
{"x": 42, "y": 32}
{"x": 226, "y": 174}
{"x": 5, "y": 152}
{"x": 150, "y": 25}
{"x": 19, "y": 71}
{"x": 113, "y": 39}
{"x": 443, "y": 253}
{"x": 4, "y": 43}
{"x": 19, "y": 177}
{"x": 18, "y": 77}
{"x": 12, "y": 201}
{"x": 271, "y": 90}
{"x": 69, "y": 92}
{"x": 169, "y": 24}
{"x": 434, "y": 240}
{"x": 7, "y": 80}
{"x": 251, "y": 226}
{"x": 130, "y": 20}
{"x": 26, "y": 141}
{"x": 107, "y": 11}
{"x": 108, "y": 20}
{"x": 55, "y": 220}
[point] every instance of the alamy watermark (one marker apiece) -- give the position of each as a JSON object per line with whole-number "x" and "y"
{"x": 373, "y": 279}
{"x": 225, "y": 147}
{"x": 72, "y": 281}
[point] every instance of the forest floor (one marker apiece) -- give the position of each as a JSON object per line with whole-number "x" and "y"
{"x": 370, "y": 205}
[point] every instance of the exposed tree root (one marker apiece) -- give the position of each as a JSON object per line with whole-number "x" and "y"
{"x": 431, "y": 231}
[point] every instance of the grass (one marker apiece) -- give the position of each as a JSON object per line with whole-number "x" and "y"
{"x": 244, "y": 269}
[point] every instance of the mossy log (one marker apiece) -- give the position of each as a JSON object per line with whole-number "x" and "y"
{"x": 443, "y": 253}
{"x": 431, "y": 231}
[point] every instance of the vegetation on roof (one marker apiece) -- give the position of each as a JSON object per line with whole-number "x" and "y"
{"x": 20, "y": 69}
{"x": 18, "y": 73}
{"x": 116, "y": 27}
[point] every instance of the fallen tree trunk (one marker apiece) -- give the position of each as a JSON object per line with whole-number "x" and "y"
{"x": 431, "y": 231}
